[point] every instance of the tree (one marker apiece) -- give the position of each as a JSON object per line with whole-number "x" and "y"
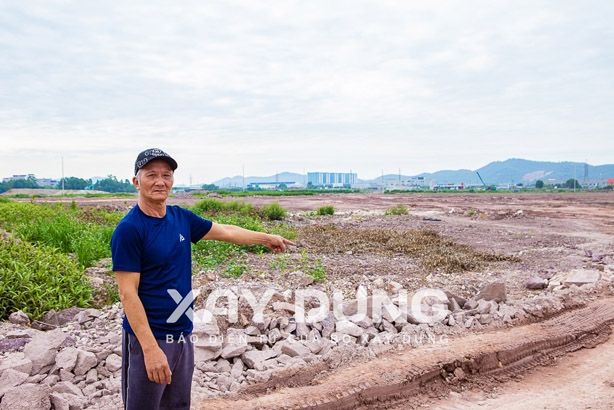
{"x": 572, "y": 183}
{"x": 539, "y": 184}
{"x": 23, "y": 183}
{"x": 111, "y": 184}
{"x": 210, "y": 187}
{"x": 74, "y": 183}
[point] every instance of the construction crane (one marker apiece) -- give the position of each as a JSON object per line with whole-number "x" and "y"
{"x": 486, "y": 187}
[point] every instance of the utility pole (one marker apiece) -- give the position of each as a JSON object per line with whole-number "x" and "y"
{"x": 62, "y": 175}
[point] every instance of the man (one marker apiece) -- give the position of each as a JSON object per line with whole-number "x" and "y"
{"x": 151, "y": 249}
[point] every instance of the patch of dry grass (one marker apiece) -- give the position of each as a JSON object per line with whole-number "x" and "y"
{"x": 434, "y": 251}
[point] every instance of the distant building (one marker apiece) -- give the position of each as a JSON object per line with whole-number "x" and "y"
{"x": 407, "y": 183}
{"x": 17, "y": 177}
{"x": 332, "y": 179}
{"x": 274, "y": 185}
{"x": 47, "y": 182}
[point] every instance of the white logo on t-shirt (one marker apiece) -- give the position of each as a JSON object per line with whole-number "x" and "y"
{"x": 181, "y": 238}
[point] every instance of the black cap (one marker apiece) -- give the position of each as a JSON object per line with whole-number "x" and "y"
{"x": 151, "y": 154}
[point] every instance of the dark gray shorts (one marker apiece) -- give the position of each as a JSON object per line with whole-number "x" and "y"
{"x": 139, "y": 393}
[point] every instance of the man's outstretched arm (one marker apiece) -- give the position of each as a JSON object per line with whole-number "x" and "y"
{"x": 241, "y": 236}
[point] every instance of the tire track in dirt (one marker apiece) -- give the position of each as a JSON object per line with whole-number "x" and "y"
{"x": 408, "y": 378}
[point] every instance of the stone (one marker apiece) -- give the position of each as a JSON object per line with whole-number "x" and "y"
{"x": 16, "y": 362}
{"x": 28, "y": 396}
{"x": 273, "y": 336}
{"x": 294, "y": 348}
{"x": 235, "y": 343}
{"x": 328, "y": 326}
{"x": 454, "y": 301}
{"x": 470, "y": 304}
{"x": 19, "y": 318}
{"x": 302, "y": 330}
{"x": 66, "y": 388}
{"x": 204, "y": 327}
{"x": 67, "y": 358}
{"x": 494, "y": 291}
{"x": 346, "y": 327}
{"x": 485, "y": 307}
{"x": 43, "y": 349}
{"x": 254, "y": 359}
{"x": 11, "y": 378}
{"x": 365, "y": 322}
{"x": 394, "y": 287}
{"x": 205, "y": 355}
{"x": 88, "y": 315}
{"x": 85, "y": 361}
{"x": 113, "y": 363}
{"x": 485, "y": 319}
{"x": 536, "y": 283}
{"x": 58, "y": 402}
{"x": 232, "y": 350}
{"x": 300, "y": 278}
{"x": 223, "y": 366}
{"x": 582, "y": 277}
{"x": 237, "y": 368}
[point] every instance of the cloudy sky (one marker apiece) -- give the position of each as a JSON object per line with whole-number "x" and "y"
{"x": 259, "y": 87}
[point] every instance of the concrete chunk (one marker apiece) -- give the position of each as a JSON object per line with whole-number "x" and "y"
{"x": 85, "y": 361}
{"x": 11, "y": 378}
{"x": 43, "y": 349}
{"x": 582, "y": 277}
{"x": 27, "y": 397}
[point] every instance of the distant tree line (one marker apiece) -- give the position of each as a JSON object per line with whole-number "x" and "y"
{"x": 571, "y": 183}
{"x": 109, "y": 184}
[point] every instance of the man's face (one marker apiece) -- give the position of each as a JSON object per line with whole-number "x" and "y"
{"x": 154, "y": 180}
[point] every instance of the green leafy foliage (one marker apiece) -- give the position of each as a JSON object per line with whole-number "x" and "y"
{"x": 326, "y": 210}
{"x": 273, "y": 212}
{"x": 36, "y": 279}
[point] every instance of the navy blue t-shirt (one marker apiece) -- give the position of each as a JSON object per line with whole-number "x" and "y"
{"x": 160, "y": 250}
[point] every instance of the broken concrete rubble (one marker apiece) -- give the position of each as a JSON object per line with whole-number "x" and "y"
{"x": 78, "y": 366}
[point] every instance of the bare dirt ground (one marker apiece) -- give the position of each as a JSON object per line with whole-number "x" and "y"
{"x": 562, "y": 361}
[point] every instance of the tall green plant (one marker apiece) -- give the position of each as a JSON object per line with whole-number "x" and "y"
{"x": 36, "y": 279}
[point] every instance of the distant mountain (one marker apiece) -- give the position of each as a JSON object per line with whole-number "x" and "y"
{"x": 511, "y": 171}
{"x": 524, "y": 171}
{"x": 515, "y": 171}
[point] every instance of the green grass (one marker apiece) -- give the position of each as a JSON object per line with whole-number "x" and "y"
{"x": 36, "y": 279}
{"x": 48, "y": 246}
{"x": 211, "y": 254}
{"x": 83, "y": 232}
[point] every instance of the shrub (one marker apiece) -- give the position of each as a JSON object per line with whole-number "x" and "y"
{"x": 272, "y": 212}
{"x": 326, "y": 210}
{"x": 398, "y": 209}
{"x": 36, "y": 279}
{"x": 207, "y": 206}
{"x": 212, "y": 206}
